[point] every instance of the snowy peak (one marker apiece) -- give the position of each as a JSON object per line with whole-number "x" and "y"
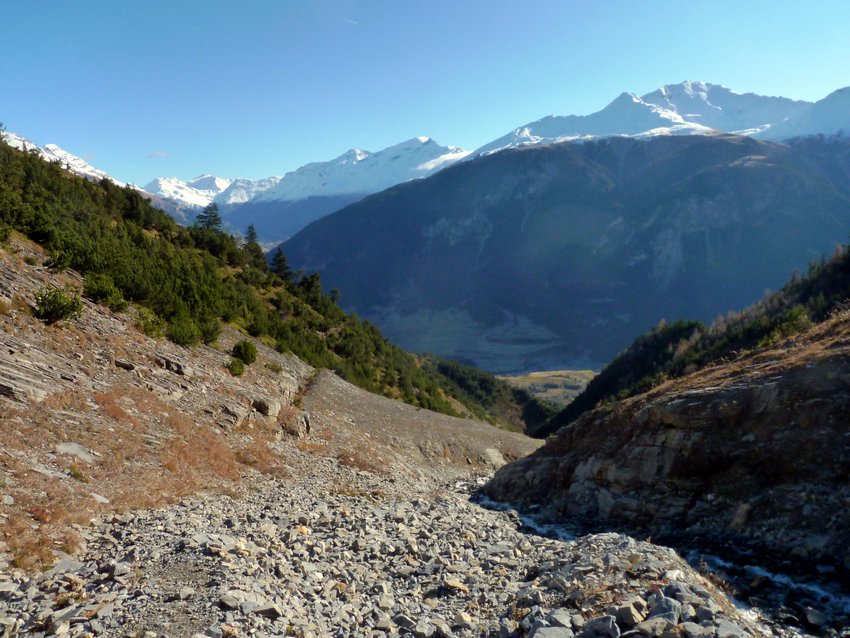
{"x": 829, "y": 116}
{"x": 364, "y": 172}
{"x": 720, "y": 108}
{"x": 628, "y": 114}
{"x": 54, "y": 153}
{"x": 356, "y": 171}
{"x": 686, "y": 108}
{"x": 195, "y": 193}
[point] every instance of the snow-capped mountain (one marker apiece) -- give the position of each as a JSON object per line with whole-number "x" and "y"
{"x": 359, "y": 171}
{"x": 354, "y": 172}
{"x": 627, "y": 115}
{"x": 53, "y": 153}
{"x": 828, "y": 116}
{"x": 721, "y": 108}
{"x": 244, "y": 190}
{"x": 685, "y": 108}
{"x": 195, "y": 193}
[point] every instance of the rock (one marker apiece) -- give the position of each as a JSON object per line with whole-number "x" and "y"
{"x": 692, "y": 630}
{"x": 816, "y": 617}
{"x": 462, "y": 619}
{"x": 455, "y": 585}
{"x": 560, "y": 618}
{"x": 551, "y": 632}
{"x": 266, "y": 407}
{"x": 602, "y": 626}
{"x": 631, "y": 613}
{"x": 76, "y": 450}
{"x": 267, "y": 610}
{"x": 424, "y": 629}
{"x": 729, "y": 629}
{"x": 667, "y": 608}
{"x": 124, "y": 365}
{"x": 654, "y": 626}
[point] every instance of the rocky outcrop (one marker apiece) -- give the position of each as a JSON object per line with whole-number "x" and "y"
{"x": 754, "y": 453}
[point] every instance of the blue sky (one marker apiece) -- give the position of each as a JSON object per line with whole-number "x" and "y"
{"x": 259, "y": 87}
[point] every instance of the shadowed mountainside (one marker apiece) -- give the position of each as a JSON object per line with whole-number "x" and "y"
{"x": 558, "y": 255}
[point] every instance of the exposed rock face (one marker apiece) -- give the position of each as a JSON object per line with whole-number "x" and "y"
{"x": 755, "y": 451}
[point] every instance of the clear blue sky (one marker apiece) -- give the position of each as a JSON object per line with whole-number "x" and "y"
{"x": 254, "y": 88}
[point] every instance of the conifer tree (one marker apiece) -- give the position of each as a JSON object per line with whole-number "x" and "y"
{"x": 280, "y": 266}
{"x": 253, "y": 250}
{"x": 209, "y": 218}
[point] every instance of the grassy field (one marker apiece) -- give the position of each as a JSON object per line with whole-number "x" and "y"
{"x": 556, "y": 386}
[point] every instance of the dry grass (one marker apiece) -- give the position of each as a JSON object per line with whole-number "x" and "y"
{"x": 319, "y": 448}
{"x": 257, "y": 452}
{"x": 197, "y": 451}
{"x": 358, "y": 459}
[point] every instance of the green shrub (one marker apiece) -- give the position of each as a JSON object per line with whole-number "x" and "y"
{"x": 273, "y": 366}
{"x": 210, "y": 329}
{"x": 236, "y": 367}
{"x": 150, "y": 324}
{"x": 53, "y": 304}
{"x": 183, "y": 331}
{"x": 5, "y": 235}
{"x": 245, "y": 351}
{"x": 101, "y": 289}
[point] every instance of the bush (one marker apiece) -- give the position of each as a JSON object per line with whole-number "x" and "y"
{"x": 5, "y": 235}
{"x": 245, "y": 351}
{"x": 210, "y": 329}
{"x": 236, "y": 367}
{"x": 101, "y": 289}
{"x": 150, "y": 324}
{"x": 53, "y": 305}
{"x": 183, "y": 331}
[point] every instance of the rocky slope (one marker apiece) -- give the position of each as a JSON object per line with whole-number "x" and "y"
{"x": 164, "y": 497}
{"x": 751, "y": 457}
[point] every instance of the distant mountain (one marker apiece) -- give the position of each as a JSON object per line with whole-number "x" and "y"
{"x": 53, "y": 153}
{"x": 552, "y": 256}
{"x": 828, "y": 116}
{"x": 280, "y": 206}
{"x": 674, "y": 109}
{"x": 721, "y": 108}
{"x": 195, "y": 193}
{"x": 626, "y": 115}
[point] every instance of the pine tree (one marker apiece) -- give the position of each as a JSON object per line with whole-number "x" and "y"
{"x": 209, "y": 218}
{"x": 253, "y": 250}
{"x": 280, "y": 266}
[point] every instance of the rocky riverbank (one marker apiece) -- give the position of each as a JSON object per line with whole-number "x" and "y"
{"x": 336, "y": 551}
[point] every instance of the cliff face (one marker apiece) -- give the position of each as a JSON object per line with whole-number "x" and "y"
{"x": 752, "y": 453}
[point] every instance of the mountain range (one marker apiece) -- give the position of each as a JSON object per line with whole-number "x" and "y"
{"x": 279, "y": 206}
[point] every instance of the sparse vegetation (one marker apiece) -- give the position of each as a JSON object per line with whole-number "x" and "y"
{"x": 101, "y": 289}
{"x": 245, "y": 351}
{"x": 53, "y": 305}
{"x": 236, "y": 367}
